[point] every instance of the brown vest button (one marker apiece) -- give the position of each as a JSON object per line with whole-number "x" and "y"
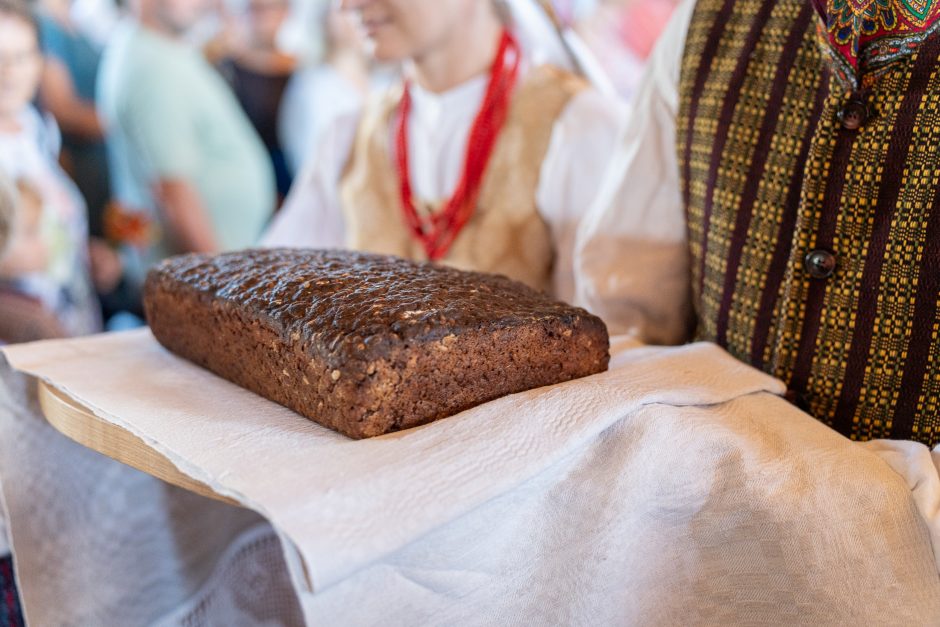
{"x": 853, "y": 115}
{"x": 820, "y": 264}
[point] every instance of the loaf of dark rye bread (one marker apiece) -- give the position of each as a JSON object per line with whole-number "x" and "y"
{"x": 367, "y": 344}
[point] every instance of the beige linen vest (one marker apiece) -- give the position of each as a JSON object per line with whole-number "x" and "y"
{"x": 506, "y": 234}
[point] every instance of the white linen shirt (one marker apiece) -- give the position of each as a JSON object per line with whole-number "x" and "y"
{"x": 631, "y": 255}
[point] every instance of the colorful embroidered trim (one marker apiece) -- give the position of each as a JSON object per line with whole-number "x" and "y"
{"x": 863, "y": 37}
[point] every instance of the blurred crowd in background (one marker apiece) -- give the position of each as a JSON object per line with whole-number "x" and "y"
{"x": 96, "y": 169}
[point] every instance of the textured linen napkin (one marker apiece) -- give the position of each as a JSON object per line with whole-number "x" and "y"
{"x": 676, "y": 488}
{"x": 346, "y": 503}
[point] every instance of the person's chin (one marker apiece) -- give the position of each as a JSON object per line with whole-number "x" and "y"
{"x": 385, "y": 51}
{"x": 180, "y": 25}
{"x": 10, "y": 108}
{"x": 384, "y": 42}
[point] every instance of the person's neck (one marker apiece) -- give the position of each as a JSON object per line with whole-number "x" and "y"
{"x": 351, "y": 66}
{"x": 10, "y": 124}
{"x": 58, "y": 11}
{"x": 156, "y": 25}
{"x": 464, "y": 55}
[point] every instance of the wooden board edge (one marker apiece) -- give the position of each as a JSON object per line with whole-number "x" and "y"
{"x": 81, "y": 425}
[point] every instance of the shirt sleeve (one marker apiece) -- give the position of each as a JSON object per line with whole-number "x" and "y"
{"x": 583, "y": 139}
{"x": 52, "y": 39}
{"x": 312, "y": 215}
{"x": 162, "y": 128}
{"x": 630, "y": 254}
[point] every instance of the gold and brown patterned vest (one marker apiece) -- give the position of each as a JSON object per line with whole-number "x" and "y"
{"x": 506, "y": 234}
{"x": 814, "y": 216}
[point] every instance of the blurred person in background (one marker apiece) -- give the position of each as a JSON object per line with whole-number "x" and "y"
{"x": 23, "y": 318}
{"x": 247, "y": 54}
{"x": 97, "y": 19}
{"x": 45, "y": 290}
{"x": 321, "y": 92}
{"x": 67, "y": 92}
{"x": 27, "y": 155}
{"x": 478, "y": 158}
{"x": 621, "y": 33}
{"x": 184, "y": 157}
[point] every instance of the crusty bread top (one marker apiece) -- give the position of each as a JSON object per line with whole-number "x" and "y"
{"x": 346, "y": 304}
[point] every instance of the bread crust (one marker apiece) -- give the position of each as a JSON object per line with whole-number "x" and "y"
{"x": 367, "y": 344}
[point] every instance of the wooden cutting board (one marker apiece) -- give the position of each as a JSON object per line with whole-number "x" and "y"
{"x": 80, "y": 424}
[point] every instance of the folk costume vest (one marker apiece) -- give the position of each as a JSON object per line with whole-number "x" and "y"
{"x": 506, "y": 233}
{"x": 810, "y": 167}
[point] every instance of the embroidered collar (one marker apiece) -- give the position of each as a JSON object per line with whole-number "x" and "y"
{"x": 864, "y": 37}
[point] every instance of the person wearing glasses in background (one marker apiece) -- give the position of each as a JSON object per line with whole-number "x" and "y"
{"x": 28, "y": 153}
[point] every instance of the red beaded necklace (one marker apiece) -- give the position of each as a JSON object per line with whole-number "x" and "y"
{"x": 438, "y": 232}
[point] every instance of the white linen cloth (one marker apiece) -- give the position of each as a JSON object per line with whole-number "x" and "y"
{"x": 582, "y": 142}
{"x": 96, "y": 542}
{"x": 607, "y": 500}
